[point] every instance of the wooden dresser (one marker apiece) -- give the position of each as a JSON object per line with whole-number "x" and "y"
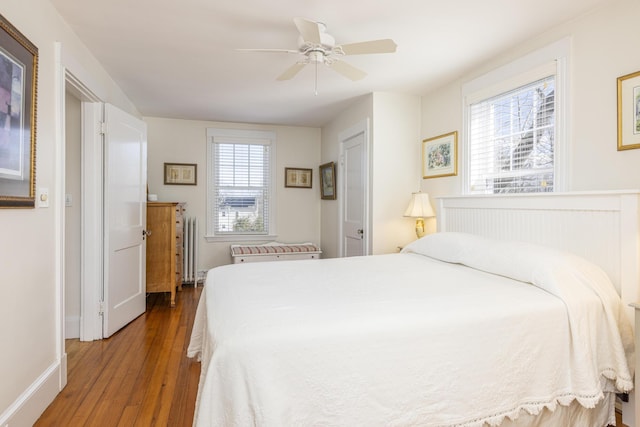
{"x": 164, "y": 247}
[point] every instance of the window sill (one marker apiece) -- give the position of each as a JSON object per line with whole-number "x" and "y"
{"x": 242, "y": 238}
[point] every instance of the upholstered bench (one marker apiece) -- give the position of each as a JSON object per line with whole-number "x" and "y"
{"x": 274, "y": 252}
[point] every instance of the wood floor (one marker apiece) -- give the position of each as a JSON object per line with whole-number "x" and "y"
{"x": 138, "y": 377}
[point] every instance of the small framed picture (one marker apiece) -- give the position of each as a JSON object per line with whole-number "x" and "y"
{"x": 328, "y": 181}
{"x": 440, "y": 156}
{"x": 297, "y": 178}
{"x": 180, "y": 174}
{"x": 629, "y": 111}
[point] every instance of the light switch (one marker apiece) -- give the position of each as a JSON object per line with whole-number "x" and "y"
{"x": 43, "y": 197}
{"x": 68, "y": 200}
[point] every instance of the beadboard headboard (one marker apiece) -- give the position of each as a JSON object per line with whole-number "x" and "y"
{"x": 603, "y": 227}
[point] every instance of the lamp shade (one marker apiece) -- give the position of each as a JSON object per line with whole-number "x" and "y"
{"x": 419, "y": 206}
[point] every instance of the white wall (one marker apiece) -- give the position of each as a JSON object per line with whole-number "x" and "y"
{"x": 31, "y": 325}
{"x": 396, "y": 163}
{"x": 184, "y": 141}
{"x": 604, "y": 47}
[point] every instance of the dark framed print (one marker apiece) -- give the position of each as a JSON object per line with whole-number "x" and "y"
{"x": 328, "y": 181}
{"x": 18, "y": 95}
{"x": 297, "y": 178}
{"x": 181, "y": 174}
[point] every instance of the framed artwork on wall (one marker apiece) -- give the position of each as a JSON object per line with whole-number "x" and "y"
{"x": 328, "y": 181}
{"x": 440, "y": 155}
{"x": 18, "y": 95}
{"x": 297, "y": 178}
{"x": 180, "y": 174}
{"x": 629, "y": 111}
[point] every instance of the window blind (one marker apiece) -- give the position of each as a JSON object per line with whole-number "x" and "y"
{"x": 511, "y": 140}
{"x": 241, "y": 181}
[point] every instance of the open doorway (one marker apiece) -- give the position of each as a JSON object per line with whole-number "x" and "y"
{"x": 73, "y": 222}
{"x": 106, "y": 286}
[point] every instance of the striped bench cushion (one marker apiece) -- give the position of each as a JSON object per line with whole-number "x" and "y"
{"x": 274, "y": 249}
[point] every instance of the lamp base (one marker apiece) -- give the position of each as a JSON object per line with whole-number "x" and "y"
{"x": 420, "y": 227}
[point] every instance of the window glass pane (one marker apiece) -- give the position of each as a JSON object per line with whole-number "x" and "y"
{"x": 511, "y": 140}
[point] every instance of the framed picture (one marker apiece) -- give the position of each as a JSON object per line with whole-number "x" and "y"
{"x": 297, "y": 178}
{"x": 629, "y": 111}
{"x": 18, "y": 95}
{"x": 328, "y": 181}
{"x": 180, "y": 174}
{"x": 440, "y": 156}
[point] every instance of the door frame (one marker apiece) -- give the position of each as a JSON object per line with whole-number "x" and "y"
{"x": 72, "y": 77}
{"x": 91, "y": 223}
{"x": 92, "y": 233}
{"x": 361, "y": 127}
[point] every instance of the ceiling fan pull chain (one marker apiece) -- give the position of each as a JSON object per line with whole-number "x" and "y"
{"x": 316, "y": 89}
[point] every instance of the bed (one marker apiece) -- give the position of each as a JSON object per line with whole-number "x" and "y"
{"x": 514, "y": 313}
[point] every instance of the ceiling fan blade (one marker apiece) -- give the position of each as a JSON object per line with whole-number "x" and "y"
{"x": 349, "y": 71}
{"x": 372, "y": 46}
{"x": 309, "y": 30}
{"x": 291, "y": 71}
{"x": 269, "y": 50}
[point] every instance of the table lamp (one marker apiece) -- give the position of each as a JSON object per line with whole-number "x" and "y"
{"x": 419, "y": 208}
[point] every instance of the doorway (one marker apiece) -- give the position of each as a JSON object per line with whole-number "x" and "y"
{"x": 98, "y": 236}
{"x": 72, "y": 214}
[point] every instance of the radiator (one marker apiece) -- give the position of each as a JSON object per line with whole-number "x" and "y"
{"x": 190, "y": 251}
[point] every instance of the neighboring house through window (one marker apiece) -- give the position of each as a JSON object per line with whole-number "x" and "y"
{"x": 241, "y": 194}
{"x": 515, "y": 136}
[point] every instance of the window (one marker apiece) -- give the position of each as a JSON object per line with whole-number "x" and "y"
{"x": 511, "y": 140}
{"x": 240, "y": 193}
{"x": 514, "y": 136}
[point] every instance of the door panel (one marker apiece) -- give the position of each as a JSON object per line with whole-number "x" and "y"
{"x": 354, "y": 196}
{"x": 125, "y": 219}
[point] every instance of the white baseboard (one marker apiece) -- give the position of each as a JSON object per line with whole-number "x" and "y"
{"x": 72, "y": 327}
{"x": 26, "y": 410}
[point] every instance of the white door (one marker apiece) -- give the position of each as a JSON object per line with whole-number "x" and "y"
{"x": 354, "y": 189}
{"x": 125, "y": 182}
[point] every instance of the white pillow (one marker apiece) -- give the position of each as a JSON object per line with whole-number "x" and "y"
{"x": 448, "y": 247}
{"x": 526, "y": 262}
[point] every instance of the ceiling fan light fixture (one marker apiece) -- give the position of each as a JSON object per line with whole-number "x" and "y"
{"x": 327, "y": 42}
{"x": 316, "y": 56}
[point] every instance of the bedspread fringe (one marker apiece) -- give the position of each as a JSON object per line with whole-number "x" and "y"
{"x": 622, "y": 385}
{"x": 535, "y": 408}
{"x": 529, "y": 408}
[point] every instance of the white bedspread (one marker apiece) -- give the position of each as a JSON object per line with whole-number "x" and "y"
{"x": 402, "y": 339}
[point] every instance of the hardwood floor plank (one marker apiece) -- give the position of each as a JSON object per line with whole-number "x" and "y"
{"x": 108, "y": 410}
{"x": 136, "y": 376}
{"x": 155, "y": 380}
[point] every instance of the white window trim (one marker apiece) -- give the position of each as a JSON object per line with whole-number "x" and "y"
{"x": 240, "y": 134}
{"x": 517, "y": 73}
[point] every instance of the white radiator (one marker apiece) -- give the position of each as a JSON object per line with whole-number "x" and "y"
{"x": 190, "y": 251}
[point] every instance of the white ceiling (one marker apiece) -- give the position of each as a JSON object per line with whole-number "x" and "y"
{"x": 178, "y": 59}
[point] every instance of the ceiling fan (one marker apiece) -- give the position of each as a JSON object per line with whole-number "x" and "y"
{"x": 318, "y": 47}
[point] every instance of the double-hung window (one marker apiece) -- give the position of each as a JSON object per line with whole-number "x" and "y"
{"x": 513, "y": 132}
{"x": 241, "y": 195}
